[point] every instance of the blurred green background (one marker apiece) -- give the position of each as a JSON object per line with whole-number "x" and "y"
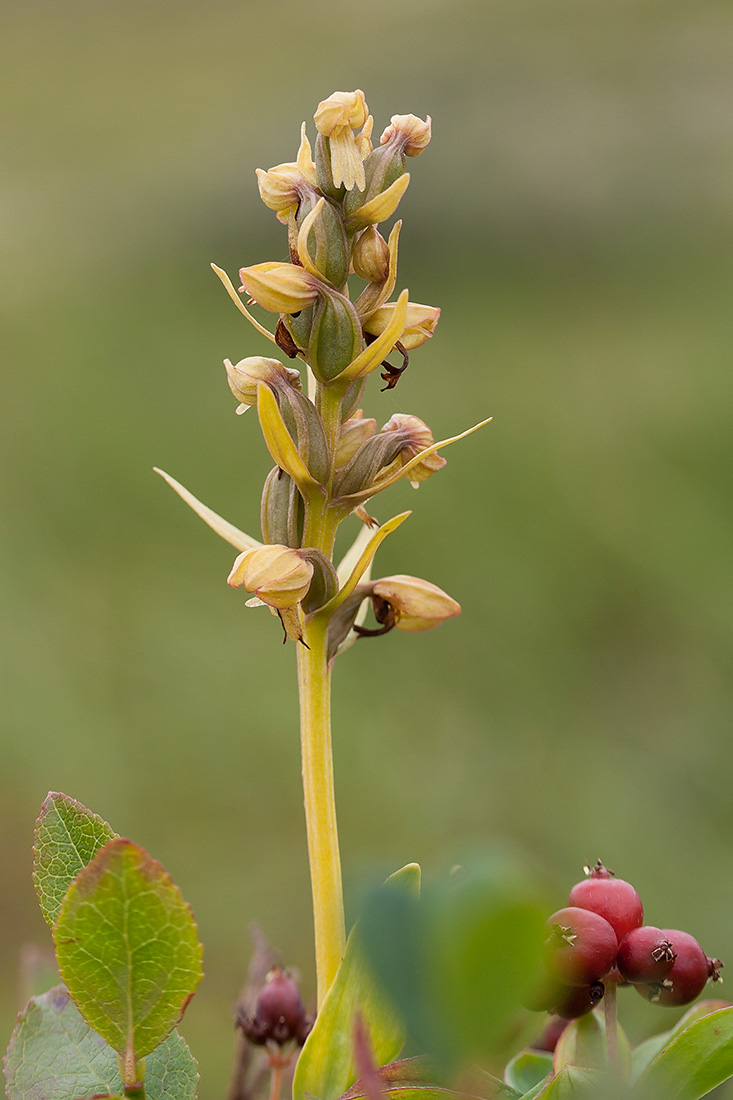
{"x": 574, "y": 218}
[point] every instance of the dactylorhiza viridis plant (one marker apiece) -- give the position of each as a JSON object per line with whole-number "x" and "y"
{"x": 448, "y": 971}
{"x": 329, "y": 458}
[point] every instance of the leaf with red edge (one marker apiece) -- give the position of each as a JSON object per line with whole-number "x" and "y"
{"x": 128, "y": 950}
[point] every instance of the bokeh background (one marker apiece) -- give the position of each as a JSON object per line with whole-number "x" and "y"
{"x": 574, "y": 218}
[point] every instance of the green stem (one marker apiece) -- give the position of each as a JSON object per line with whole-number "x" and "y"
{"x": 328, "y": 402}
{"x": 135, "y": 1092}
{"x": 314, "y": 684}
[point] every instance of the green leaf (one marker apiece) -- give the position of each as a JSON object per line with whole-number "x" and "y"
{"x": 55, "y": 1055}
{"x": 695, "y": 1061}
{"x": 483, "y": 951}
{"x": 527, "y": 1069}
{"x": 573, "y": 1083}
{"x": 127, "y": 949}
{"x": 325, "y": 1068}
{"x": 67, "y": 837}
{"x": 642, "y": 1054}
{"x": 459, "y": 962}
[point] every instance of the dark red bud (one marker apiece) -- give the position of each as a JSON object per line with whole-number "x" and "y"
{"x": 279, "y": 1015}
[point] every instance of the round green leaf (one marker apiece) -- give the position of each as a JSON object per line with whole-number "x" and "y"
{"x": 54, "y": 1055}
{"x": 127, "y": 949}
{"x": 527, "y": 1069}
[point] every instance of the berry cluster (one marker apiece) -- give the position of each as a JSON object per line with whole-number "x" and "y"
{"x": 600, "y": 938}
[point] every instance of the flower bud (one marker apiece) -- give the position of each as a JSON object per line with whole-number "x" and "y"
{"x": 354, "y": 432}
{"x": 324, "y": 585}
{"x": 415, "y": 436}
{"x": 279, "y": 1015}
{"x": 420, "y": 324}
{"x": 407, "y": 133}
{"x": 375, "y": 458}
{"x": 281, "y": 288}
{"x": 416, "y": 604}
{"x": 321, "y": 242}
{"x": 371, "y": 256}
{"x": 336, "y": 336}
{"x": 282, "y": 510}
{"x": 305, "y": 426}
{"x": 336, "y": 118}
{"x": 244, "y": 376}
{"x": 400, "y": 440}
{"x": 299, "y": 325}
{"x": 277, "y": 575}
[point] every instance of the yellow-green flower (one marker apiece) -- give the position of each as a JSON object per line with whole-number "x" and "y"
{"x": 277, "y": 575}
{"x": 420, "y": 323}
{"x": 336, "y": 118}
{"x": 281, "y": 288}
{"x": 415, "y": 604}
{"x": 409, "y": 133}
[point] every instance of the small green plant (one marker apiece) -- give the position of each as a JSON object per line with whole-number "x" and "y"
{"x": 442, "y": 975}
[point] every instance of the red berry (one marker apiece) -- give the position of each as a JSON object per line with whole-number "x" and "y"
{"x": 581, "y": 946}
{"x": 612, "y": 898}
{"x": 645, "y": 954}
{"x": 687, "y": 978}
{"x": 578, "y": 1000}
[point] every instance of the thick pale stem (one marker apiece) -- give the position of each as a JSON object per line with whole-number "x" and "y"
{"x": 611, "y": 1017}
{"x": 314, "y": 684}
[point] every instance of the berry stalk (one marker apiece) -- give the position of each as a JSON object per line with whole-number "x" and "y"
{"x": 611, "y": 1017}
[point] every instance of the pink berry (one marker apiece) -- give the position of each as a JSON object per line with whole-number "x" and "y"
{"x": 612, "y": 898}
{"x": 687, "y": 978}
{"x": 581, "y": 946}
{"x": 645, "y": 954}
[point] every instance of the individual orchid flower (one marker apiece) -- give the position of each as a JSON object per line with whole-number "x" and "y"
{"x": 278, "y": 287}
{"x": 279, "y": 577}
{"x": 336, "y": 118}
{"x": 283, "y": 187}
{"x": 407, "y": 603}
{"x": 408, "y": 133}
{"x": 420, "y": 323}
{"x": 246, "y": 375}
